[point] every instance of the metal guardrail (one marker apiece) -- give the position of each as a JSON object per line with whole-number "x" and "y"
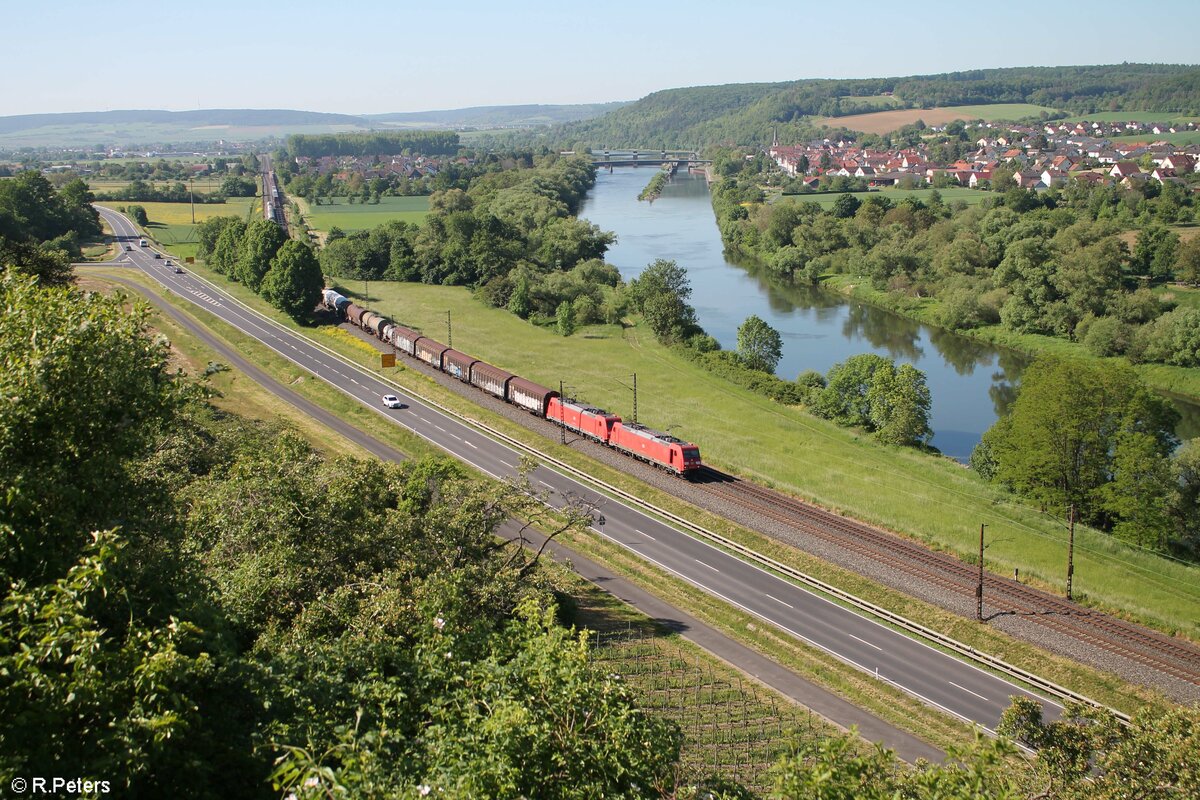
{"x": 1036, "y": 681}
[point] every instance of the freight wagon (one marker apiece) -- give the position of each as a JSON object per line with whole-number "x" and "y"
{"x": 403, "y": 338}
{"x": 430, "y": 352}
{"x": 529, "y": 395}
{"x": 492, "y": 380}
{"x": 458, "y": 364}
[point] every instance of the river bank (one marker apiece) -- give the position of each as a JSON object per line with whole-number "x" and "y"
{"x": 1180, "y": 384}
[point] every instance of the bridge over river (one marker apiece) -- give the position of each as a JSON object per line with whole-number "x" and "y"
{"x": 648, "y": 158}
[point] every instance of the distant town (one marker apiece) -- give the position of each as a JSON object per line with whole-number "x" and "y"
{"x": 1031, "y": 156}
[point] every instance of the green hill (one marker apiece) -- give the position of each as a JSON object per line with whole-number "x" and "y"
{"x": 748, "y": 113}
{"x": 523, "y": 116}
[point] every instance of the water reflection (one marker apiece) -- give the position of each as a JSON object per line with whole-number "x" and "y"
{"x": 900, "y": 341}
{"x": 971, "y": 383}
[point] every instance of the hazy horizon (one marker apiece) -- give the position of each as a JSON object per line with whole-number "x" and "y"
{"x": 372, "y": 57}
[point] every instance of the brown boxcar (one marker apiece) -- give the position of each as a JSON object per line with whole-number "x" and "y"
{"x": 404, "y": 338}
{"x": 595, "y": 423}
{"x": 458, "y": 364}
{"x": 492, "y": 380}
{"x": 354, "y": 313}
{"x": 430, "y": 351}
{"x": 529, "y": 395}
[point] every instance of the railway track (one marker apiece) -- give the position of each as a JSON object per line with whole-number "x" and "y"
{"x": 1003, "y": 596}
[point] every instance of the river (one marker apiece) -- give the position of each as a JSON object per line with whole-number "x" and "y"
{"x": 971, "y": 383}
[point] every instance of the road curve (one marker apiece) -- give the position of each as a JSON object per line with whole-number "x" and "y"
{"x": 935, "y": 678}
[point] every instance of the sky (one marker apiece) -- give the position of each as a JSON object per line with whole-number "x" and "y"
{"x": 377, "y": 56}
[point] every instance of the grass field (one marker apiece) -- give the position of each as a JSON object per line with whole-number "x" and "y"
{"x": 826, "y": 199}
{"x": 1132, "y": 116}
{"x": 888, "y": 121}
{"x": 929, "y": 498}
{"x": 1187, "y": 137}
{"x": 171, "y": 223}
{"x": 359, "y": 217}
{"x": 205, "y": 185}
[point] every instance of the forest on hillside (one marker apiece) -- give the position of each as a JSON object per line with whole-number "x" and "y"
{"x": 750, "y": 113}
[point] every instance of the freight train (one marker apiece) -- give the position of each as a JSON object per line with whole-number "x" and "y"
{"x": 645, "y": 444}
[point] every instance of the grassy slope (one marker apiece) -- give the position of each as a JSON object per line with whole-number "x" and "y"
{"x": 929, "y": 498}
{"x": 359, "y": 217}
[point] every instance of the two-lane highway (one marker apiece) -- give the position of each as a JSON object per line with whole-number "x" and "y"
{"x": 924, "y": 672}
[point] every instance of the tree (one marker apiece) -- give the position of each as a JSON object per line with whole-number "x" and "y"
{"x": 1185, "y": 504}
{"x": 84, "y": 388}
{"x": 838, "y": 768}
{"x": 1070, "y": 426}
{"x": 1088, "y": 755}
{"x": 227, "y": 247}
{"x": 139, "y": 215}
{"x": 1140, "y": 490}
{"x": 759, "y": 345}
{"x": 112, "y": 663}
{"x": 294, "y": 282}
{"x": 235, "y": 186}
{"x": 208, "y": 231}
{"x": 1187, "y": 262}
{"x": 565, "y": 318}
{"x": 1156, "y": 251}
{"x": 519, "y": 302}
{"x": 845, "y": 396}
{"x": 845, "y": 206}
{"x": 661, "y": 294}
{"x": 899, "y": 401}
{"x": 262, "y": 240}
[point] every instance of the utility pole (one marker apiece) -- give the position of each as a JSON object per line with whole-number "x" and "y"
{"x": 366, "y": 290}
{"x": 1070, "y": 549}
{"x": 449, "y": 332}
{"x": 635, "y": 397}
{"x": 192, "y": 196}
{"x": 979, "y": 585}
{"x": 562, "y": 423}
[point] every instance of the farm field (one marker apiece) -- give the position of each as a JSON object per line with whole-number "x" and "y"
{"x": 364, "y": 217}
{"x": 930, "y": 498}
{"x": 129, "y": 134}
{"x": 171, "y": 223}
{"x": 101, "y": 185}
{"x": 949, "y": 195}
{"x": 888, "y": 121}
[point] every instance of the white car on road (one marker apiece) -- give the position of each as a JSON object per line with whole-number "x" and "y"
{"x": 391, "y": 401}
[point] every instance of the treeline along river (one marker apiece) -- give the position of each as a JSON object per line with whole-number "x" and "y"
{"x": 971, "y": 382}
